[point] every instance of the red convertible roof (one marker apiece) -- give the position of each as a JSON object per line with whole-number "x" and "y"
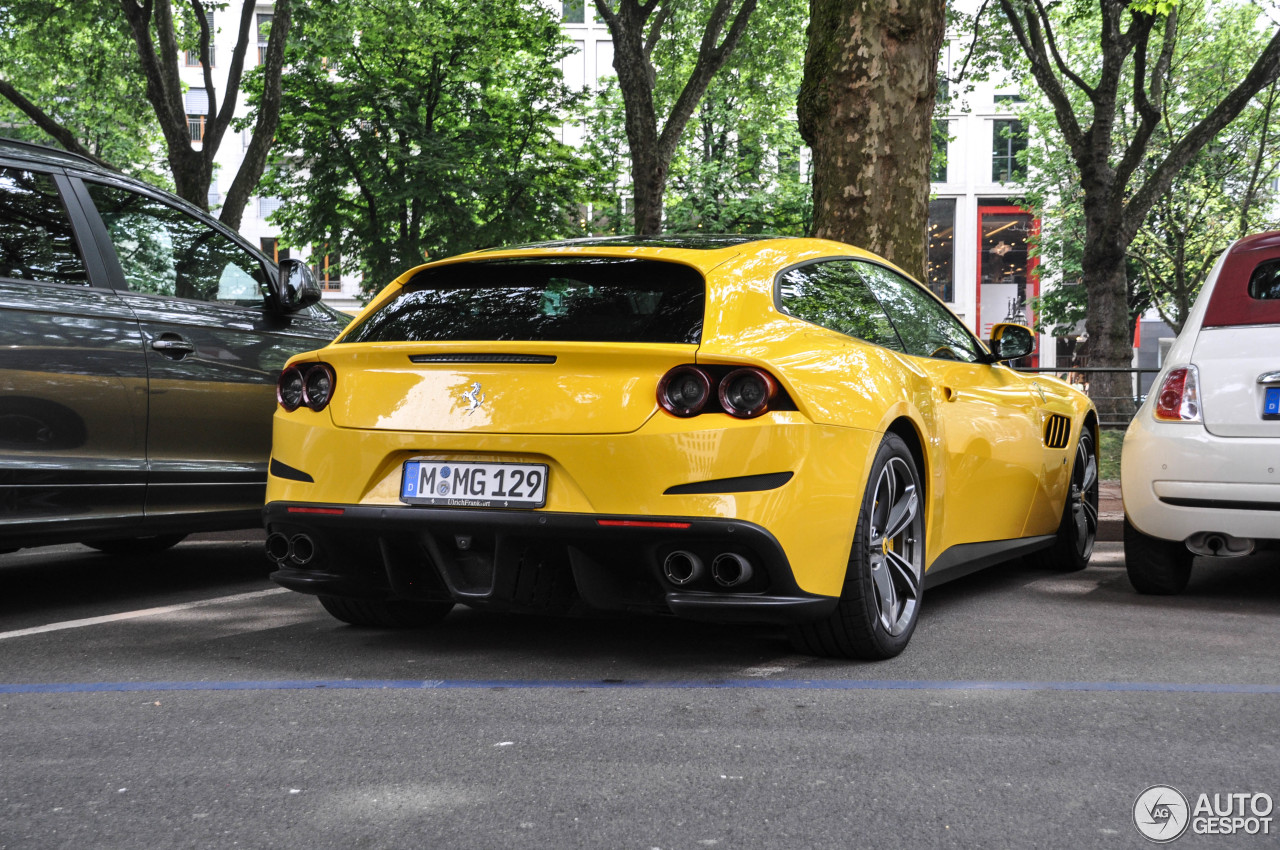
{"x": 1231, "y": 303}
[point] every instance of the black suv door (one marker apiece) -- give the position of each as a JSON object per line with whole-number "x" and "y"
{"x": 73, "y": 378}
{"x": 213, "y": 347}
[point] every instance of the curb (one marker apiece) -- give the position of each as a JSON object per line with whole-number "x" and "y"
{"x": 1110, "y": 511}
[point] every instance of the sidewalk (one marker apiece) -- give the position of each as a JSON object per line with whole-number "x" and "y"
{"x": 1110, "y": 511}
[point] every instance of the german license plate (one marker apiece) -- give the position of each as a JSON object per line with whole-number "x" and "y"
{"x": 1271, "y": 403}
{"x": 474, "y": 485}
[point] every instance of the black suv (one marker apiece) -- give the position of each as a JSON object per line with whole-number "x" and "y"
{"x": 140, "y": 341}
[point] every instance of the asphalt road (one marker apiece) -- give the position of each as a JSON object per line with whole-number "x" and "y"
{"x": 184, "y": 701}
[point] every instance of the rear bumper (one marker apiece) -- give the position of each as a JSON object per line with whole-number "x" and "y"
{"x": 1178, "y": 480}
{"x": 535, "y": 561}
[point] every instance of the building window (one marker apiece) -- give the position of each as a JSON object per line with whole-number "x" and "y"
{"x": 264, "y": 36}
{"x": 197, "y": 101}
{"x": 938, "y": 159}
{"x": 574, "y": 11}
{"x": 193, "y": 56}
{"x": 942, "y": 248}
{"x": 266, "y": 206}
{"x": 1008, "y": 139}
{"x": 326, "y": 269}
{"x": 270, "y": 246}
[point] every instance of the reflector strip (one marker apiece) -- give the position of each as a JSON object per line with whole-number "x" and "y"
{"x": 639, "y": 523}
{"x": 331, "y": 511}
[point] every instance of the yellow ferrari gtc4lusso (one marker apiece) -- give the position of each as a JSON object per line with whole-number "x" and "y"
{"x": 731, "y": 428}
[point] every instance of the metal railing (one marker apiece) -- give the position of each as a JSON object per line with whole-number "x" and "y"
{"x": 1114, "y": 411}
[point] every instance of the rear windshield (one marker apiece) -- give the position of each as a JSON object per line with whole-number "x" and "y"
{"x": 562, "y": 300}
{"x": 1264, "y": 283}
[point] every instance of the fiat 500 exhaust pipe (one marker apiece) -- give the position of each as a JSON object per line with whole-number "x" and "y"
{"x": 730, "y": 569}
{"x": 1217, "y": 545}
{"x": 682, "y": 567}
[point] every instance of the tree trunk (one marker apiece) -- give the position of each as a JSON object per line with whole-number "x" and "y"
{"x": 866, "y": 110}
{"x": 1107, "y": 322}
{"x": 635, "y": 33}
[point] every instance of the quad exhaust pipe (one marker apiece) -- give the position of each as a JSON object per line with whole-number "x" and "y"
{"x": 298, "y": 550}
{"x": 681, "y": 568}
{"x": 728, "y": 569}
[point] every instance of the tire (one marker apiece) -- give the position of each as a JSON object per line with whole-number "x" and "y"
{"x": 1078, "y": 530}
{"x": 137, "y": 546}
{"x": 386, "y": 613}
{"x": 880, "y": 602}
{"x": 1156, "y": 567}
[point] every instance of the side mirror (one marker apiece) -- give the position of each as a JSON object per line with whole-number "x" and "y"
{"x": 1010, "y": 341}
{"x": 295, "y": 287}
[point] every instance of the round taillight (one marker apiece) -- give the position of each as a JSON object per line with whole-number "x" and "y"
{"x": 1178, "y": 399}
{"x": 318, "y": 387}
{"x": 684, "y": 391}
{"x": 745, "y": 393}
{"x": 289, "y": 389}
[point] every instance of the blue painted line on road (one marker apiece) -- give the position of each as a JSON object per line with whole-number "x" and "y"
{"x": 569, "y": 684}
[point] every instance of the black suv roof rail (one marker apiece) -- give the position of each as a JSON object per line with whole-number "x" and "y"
{"x": 37, "y": 149}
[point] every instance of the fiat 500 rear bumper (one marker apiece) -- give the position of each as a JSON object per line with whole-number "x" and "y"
{"x": 721, "y": 570}
{"x": 1179, "y": 480}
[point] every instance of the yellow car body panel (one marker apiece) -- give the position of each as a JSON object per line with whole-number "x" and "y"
{"x": 611, "y": 450}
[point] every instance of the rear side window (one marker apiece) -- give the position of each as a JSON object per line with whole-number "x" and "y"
{"x": 36, "y": 239}
{"x": 165, "y": 251}
{"x": 834, "y": 295}
{"x": 565, "y": 300}
{"x": 1264, "y": 283}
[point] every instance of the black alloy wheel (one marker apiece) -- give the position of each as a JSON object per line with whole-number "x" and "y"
{"x": 1078, "y": 530}
{"x": 880, "y": 604}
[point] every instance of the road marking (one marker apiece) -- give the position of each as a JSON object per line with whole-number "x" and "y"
{"x": 639, "y": 684}
{"x": 131, "y": 615}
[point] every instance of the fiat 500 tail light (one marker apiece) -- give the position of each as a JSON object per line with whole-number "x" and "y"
{"x": 1178, "y": 399}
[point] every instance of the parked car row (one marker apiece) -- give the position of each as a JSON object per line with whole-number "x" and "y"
{"x": 724, "y": 428}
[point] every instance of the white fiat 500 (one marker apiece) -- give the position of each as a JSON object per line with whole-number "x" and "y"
{"x": 1200, "y": 470}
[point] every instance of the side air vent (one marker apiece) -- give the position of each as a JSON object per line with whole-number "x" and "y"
{"x": 1057, "y": 432}
{"x": 482, "y": 358}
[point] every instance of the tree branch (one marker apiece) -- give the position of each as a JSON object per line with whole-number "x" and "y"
{"x": 1263, "y": 73}
{"x": 711, "y": 57}
{"x": 246, "y": 180}
{"x": 1027, "y": 34}
{"x": 1149, "y": 109}
{"x": 47, "y": 123}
